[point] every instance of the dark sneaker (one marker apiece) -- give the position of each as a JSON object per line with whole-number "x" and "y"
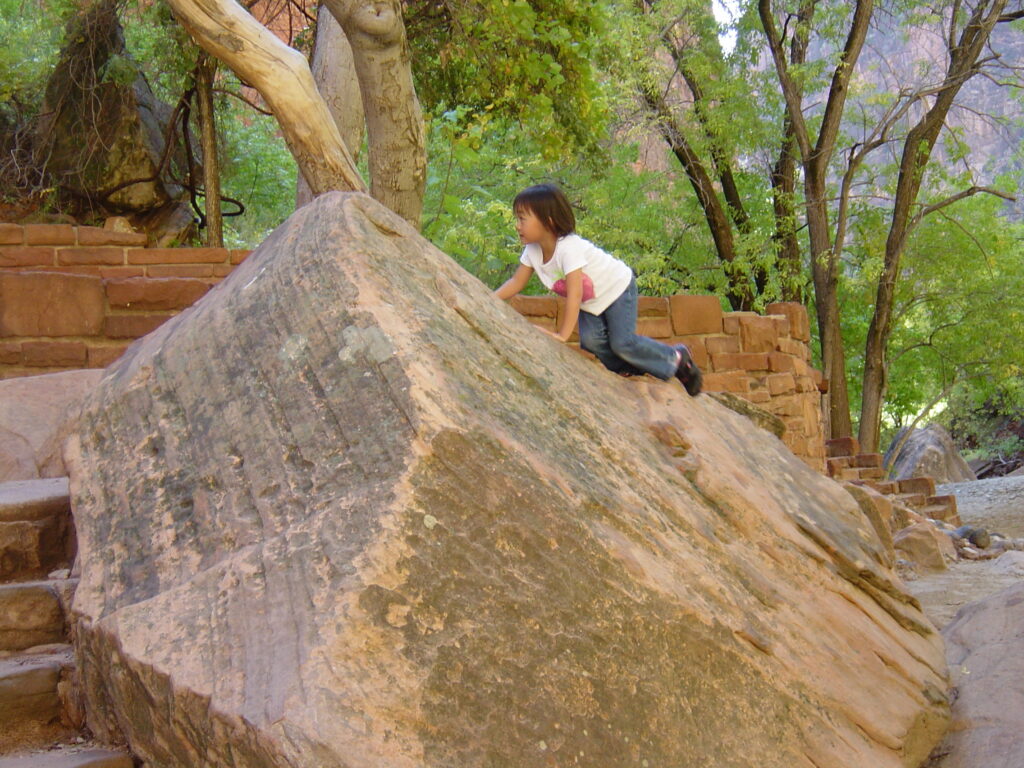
{"x": 688, "y": 372}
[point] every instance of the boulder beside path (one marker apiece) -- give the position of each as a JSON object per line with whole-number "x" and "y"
{"x": 349, "y": 509}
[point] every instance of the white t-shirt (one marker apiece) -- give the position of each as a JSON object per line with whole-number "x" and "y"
{"x": 608, "y": 276}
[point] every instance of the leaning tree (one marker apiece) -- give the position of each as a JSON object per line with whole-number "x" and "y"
{"x": 380, "y": 68}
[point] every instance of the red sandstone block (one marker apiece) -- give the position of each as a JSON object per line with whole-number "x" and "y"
{"x": 26, "y": 256}
{"x": 795, "y": 424}
{"x": 871, "y": 473}
{"x": 867, "y": 460}
{"x": 652, "y": 306}
{"x": 781, "y": 324}
{"x": 695, "y": 314}
{"x": 742, "y": 361}
{"x": 542, "y": 322}
{"x": 49, "y": 234}
{"x": 805, "y": 384}
{"x": 180, "y": 270}
{"x": 731, "y": 321}
{"x": 780, "y": 383}
{"x": 101, "y": 356}
{"x": 53, "y": 354}
{"x": 790, "y": 347}
{"x": 799, "y": 324}
{"x": 237, "y": 257}
{"x": 719, "y": 345}
{"x": 101, "y": 255}
{"x": 759, "y": 396}
{"x": 50, "y": 304}
{"x": 113, "y": 273}
{"x": 10, "y": 353}
{"x": 758, "y": 334}
{"x": 132, "y": 326}
{"x": 842, "y": 446}
{"x": 155, "y": 293}
{"x": 786, "y": 405}
{"x": 222, "y": 270}
{"x": 780, "y": 363}
{"x": 100, "y": 236}
{"x": 836, "y": 464}
{"x": 12, "y": 234}
{"x": 923, "y": 485}
{"x": 178, "y": 256}
{"x": 535, "y": 306}
{"x": 738, "y": 383}
{"x": 654, "y": 327}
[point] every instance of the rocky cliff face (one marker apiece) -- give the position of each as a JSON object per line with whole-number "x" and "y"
{"x": 350, "y": 510}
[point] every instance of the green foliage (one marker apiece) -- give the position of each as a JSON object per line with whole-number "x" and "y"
{"x": 645, "y": 218}
{"x": 533, "y": 61}
{"x": 30, "y": 36}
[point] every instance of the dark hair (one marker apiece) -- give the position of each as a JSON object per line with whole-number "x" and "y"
{"x": 549, "y": 204}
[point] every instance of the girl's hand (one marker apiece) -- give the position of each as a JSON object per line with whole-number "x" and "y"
{"x": 552, "y": 334}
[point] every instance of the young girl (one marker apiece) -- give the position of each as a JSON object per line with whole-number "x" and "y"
{"x": 599, "y": 290}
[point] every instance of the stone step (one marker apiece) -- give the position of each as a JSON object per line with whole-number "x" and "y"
{"x": 36, "y": 533}
{"x": 888, "y": 487}
{"x": 912, "y": 500}
{"x": 30, "y": 703}
{"x": 940, "y": 512}
{"x": 31, "y": 614}
{"x": 69, "y": 756}
{"x": 923, "y": 485}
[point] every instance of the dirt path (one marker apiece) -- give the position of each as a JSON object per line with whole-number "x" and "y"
{"x": 998, "y": 506}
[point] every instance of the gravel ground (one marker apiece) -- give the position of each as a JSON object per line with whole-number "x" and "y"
{"x": 996, "y": 504}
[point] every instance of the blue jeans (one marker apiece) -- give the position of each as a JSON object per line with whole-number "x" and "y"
{"x": 612, "y": 337}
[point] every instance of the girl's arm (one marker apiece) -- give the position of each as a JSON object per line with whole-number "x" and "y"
{"x": 516, "y": 283}
{"x": 573, "y": 298}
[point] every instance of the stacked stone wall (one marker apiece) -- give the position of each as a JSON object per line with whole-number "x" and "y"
{"x": 76, "y": 297}
{"x": 764, "y": 359}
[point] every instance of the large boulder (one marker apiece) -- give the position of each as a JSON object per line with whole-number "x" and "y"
{"x": 351, "y": 510}
{"x": 34, "y": 411}
{"x": 986, "y": 657}
{"x": 928, "y": 452}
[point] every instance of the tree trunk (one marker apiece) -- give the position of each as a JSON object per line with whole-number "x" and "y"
{"x": 783, "y": 181}
{"x": 206, "y": 68}
{"x": 397, "y": 143}
{"x": 917, "y": 150}
{"x": 335, "y": 77}
{"x": 824, "y": 273}
{"x": 225, "y": 30}
{"x": 739, "y": 294}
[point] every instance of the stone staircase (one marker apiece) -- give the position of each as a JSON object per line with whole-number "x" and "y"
{"x": 41, "y": 722}
{"x": 845, "y": 463}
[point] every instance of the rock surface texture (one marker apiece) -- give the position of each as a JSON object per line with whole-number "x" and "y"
{"x": 33, "y": 412}
{"x": 350, "y": 510}
{"x": 986, "y": 657}
{"x": 929, "y": 452}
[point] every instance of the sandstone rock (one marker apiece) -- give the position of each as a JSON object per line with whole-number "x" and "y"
{"x": 925, "y": 545}
{"x": 70, "y": 758}
{"x": 30, "y": 708}
{"x": 33, "y": 413}
{"x": 762, "y": 418}
{"x": 30, "y": 614}
{"x": 349, "y": 509}
{"x": 878, "y": 511}
{"x": 985, "y": 649}
{"x": 929, "y": 452}
{"x": 978, "y": 537}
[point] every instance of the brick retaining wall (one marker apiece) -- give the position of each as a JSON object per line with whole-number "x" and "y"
{"x": 764, "y": 359}
{"x": 76, "y": 297}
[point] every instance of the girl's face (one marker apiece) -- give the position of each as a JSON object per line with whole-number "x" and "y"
{"x": 530, "y": 228}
